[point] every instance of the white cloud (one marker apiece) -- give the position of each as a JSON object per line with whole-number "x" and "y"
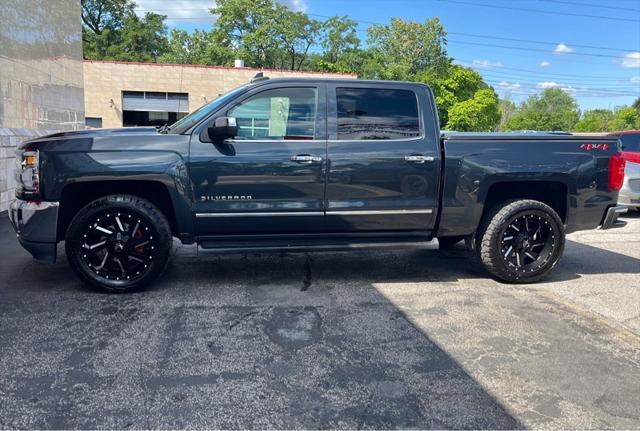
{"x": 635, "y": 79}
{"x": 511, "y": 88}
{"x": 486, "y": 64}
{"x": 631, "y": 59}
{"x": 296, "y": 5}
{"x": 561, "y": 48}
{"x": 548, "y": 84}
{"x": 545, "y": 63}
{"x": 552, "y": 84}
{"x": 178, "y": 11}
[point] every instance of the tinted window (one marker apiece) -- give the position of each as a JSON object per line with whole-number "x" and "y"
{"x": 372, "y": 113}
{"x": 282, "y": 113}
{"x": 630, "y": 142}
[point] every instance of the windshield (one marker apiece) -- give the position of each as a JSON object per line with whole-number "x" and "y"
{"x": 185, "y": 123}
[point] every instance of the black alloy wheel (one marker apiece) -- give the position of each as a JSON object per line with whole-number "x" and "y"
{"x": 528, "y": 242}
{"x": 118, "y": 243}
{"x": 521, "y": 241}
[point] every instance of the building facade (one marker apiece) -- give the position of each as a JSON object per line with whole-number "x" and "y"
{"x": 121, "y": 94}
{"x": 41, "y": 83}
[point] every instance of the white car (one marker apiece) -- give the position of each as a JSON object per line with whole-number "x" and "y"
{"x": 630, "y": 192}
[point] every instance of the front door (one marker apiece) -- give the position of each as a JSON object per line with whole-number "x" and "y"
{"x": 271, "y": 177}
{"x": 384, "y": 158}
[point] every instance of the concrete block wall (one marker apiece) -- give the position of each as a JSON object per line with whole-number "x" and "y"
{"x": 41, "y": 82}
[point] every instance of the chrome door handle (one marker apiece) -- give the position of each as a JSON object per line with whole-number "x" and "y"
{"x": 418, "y": 158}
{"x": 306, "y": 158}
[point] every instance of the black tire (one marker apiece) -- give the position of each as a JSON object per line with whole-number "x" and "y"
{"x": 118, "y": 243}
{"x": 448, "y": 242}
{"x": 508, "y": 234}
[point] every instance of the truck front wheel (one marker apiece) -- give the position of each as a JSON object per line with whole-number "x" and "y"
{"x": 118, "y": 243}
{"x": 521, "y": 241}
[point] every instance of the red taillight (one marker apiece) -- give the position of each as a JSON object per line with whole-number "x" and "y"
{"x": 616, "y": 172}
{"x": 630, "y": 156}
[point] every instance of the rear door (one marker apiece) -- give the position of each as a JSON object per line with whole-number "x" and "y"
{"x": 384, "y": 158}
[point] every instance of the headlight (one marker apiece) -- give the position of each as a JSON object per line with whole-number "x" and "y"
{"x": 27, "y": 174}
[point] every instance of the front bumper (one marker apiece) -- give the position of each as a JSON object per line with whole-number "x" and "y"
{"x": 611, "y": 217}
{"x": 36, "y": 225}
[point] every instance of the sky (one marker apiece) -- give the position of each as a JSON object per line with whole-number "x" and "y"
{"x": 589, "y": 48}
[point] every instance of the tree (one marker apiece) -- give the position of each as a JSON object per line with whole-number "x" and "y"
{"x": 636, "y": 104}
{"x": 507, "y": 109}
{"x": 98, "y": 15}
{"x": 479, "y": 114}
{"x": 247, "y": 26}
{"x": 198, "y": 47}
{"x": 403, "y": 49}
{"x": 339, "y": 37}
{"x": 553, "y": 109}
{"x": 141, "y": 39}
{"x": 112, "y": 31}
{"x": 625, "y": 118}
{"x": 595, "y": 120}
{"x": 456, "y": 85}
{"x": 296, "y": 33}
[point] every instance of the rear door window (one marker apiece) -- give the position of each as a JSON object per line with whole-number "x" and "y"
{"x": 377, "y": 113}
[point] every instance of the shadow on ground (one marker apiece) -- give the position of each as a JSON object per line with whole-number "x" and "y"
{"x": 226, "y": 343}
{"x": 266, "y": 341}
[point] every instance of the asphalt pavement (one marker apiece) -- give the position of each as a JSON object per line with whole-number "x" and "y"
{"x": 406, "y": 339}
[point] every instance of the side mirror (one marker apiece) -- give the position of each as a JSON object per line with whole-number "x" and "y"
{"x": 223, "y": 128}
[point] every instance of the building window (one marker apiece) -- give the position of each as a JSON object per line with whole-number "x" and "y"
{"x": 93, "y": 122}
{"x": 367, "y": 113}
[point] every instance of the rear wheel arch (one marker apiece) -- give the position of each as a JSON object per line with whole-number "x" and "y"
{"x": 553, "y": 193}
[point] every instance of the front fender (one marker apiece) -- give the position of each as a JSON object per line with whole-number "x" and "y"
{"x": 60, "y": 169}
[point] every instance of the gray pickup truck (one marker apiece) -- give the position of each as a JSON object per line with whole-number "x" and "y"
{"x": 309, "y": 165}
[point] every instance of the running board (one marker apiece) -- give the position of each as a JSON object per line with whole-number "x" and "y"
{"x": 213, "y": 248}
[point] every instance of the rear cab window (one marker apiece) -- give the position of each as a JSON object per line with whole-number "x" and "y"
{"x": 630, "y": 142}
{"x": 377, "y": 114}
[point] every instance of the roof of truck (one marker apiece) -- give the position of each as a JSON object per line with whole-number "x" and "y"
{"x": 266, "y": 79}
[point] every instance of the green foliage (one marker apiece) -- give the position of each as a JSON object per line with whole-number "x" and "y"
{"x": 265, "y": 33}
{"x": 625, "y": 118}
{"x": 199, "y": 47}
{"x": 455, "y": 85}
{"x": 636, "y": 104}
{"x": 480, "y": 113}
{"x": 339, "y": 39}
{"x": 112, "y": 31}
{"x": 404, "y": 49}
{"x": 507, "y": 110}
{"x": 553, "y": 109}
{"x": 595, "y": 120}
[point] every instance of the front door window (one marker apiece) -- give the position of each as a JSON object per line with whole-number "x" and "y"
{"x": 278, "y": 114}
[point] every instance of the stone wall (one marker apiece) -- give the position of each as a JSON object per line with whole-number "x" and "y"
{"x": 41, "y": 83}
{"x": 104, "y": 83}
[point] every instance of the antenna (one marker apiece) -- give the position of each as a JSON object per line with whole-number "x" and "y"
{"x": 258, "y": 77}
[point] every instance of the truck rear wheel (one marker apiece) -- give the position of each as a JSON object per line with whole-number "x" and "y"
{"x": 521, "y": 241}
{"x": 118, "y": 243}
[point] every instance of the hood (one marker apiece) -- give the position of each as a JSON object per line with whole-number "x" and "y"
{"x": 90, "y": 133}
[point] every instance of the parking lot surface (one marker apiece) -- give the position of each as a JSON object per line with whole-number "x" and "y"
{"x": 408, "y": 339}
